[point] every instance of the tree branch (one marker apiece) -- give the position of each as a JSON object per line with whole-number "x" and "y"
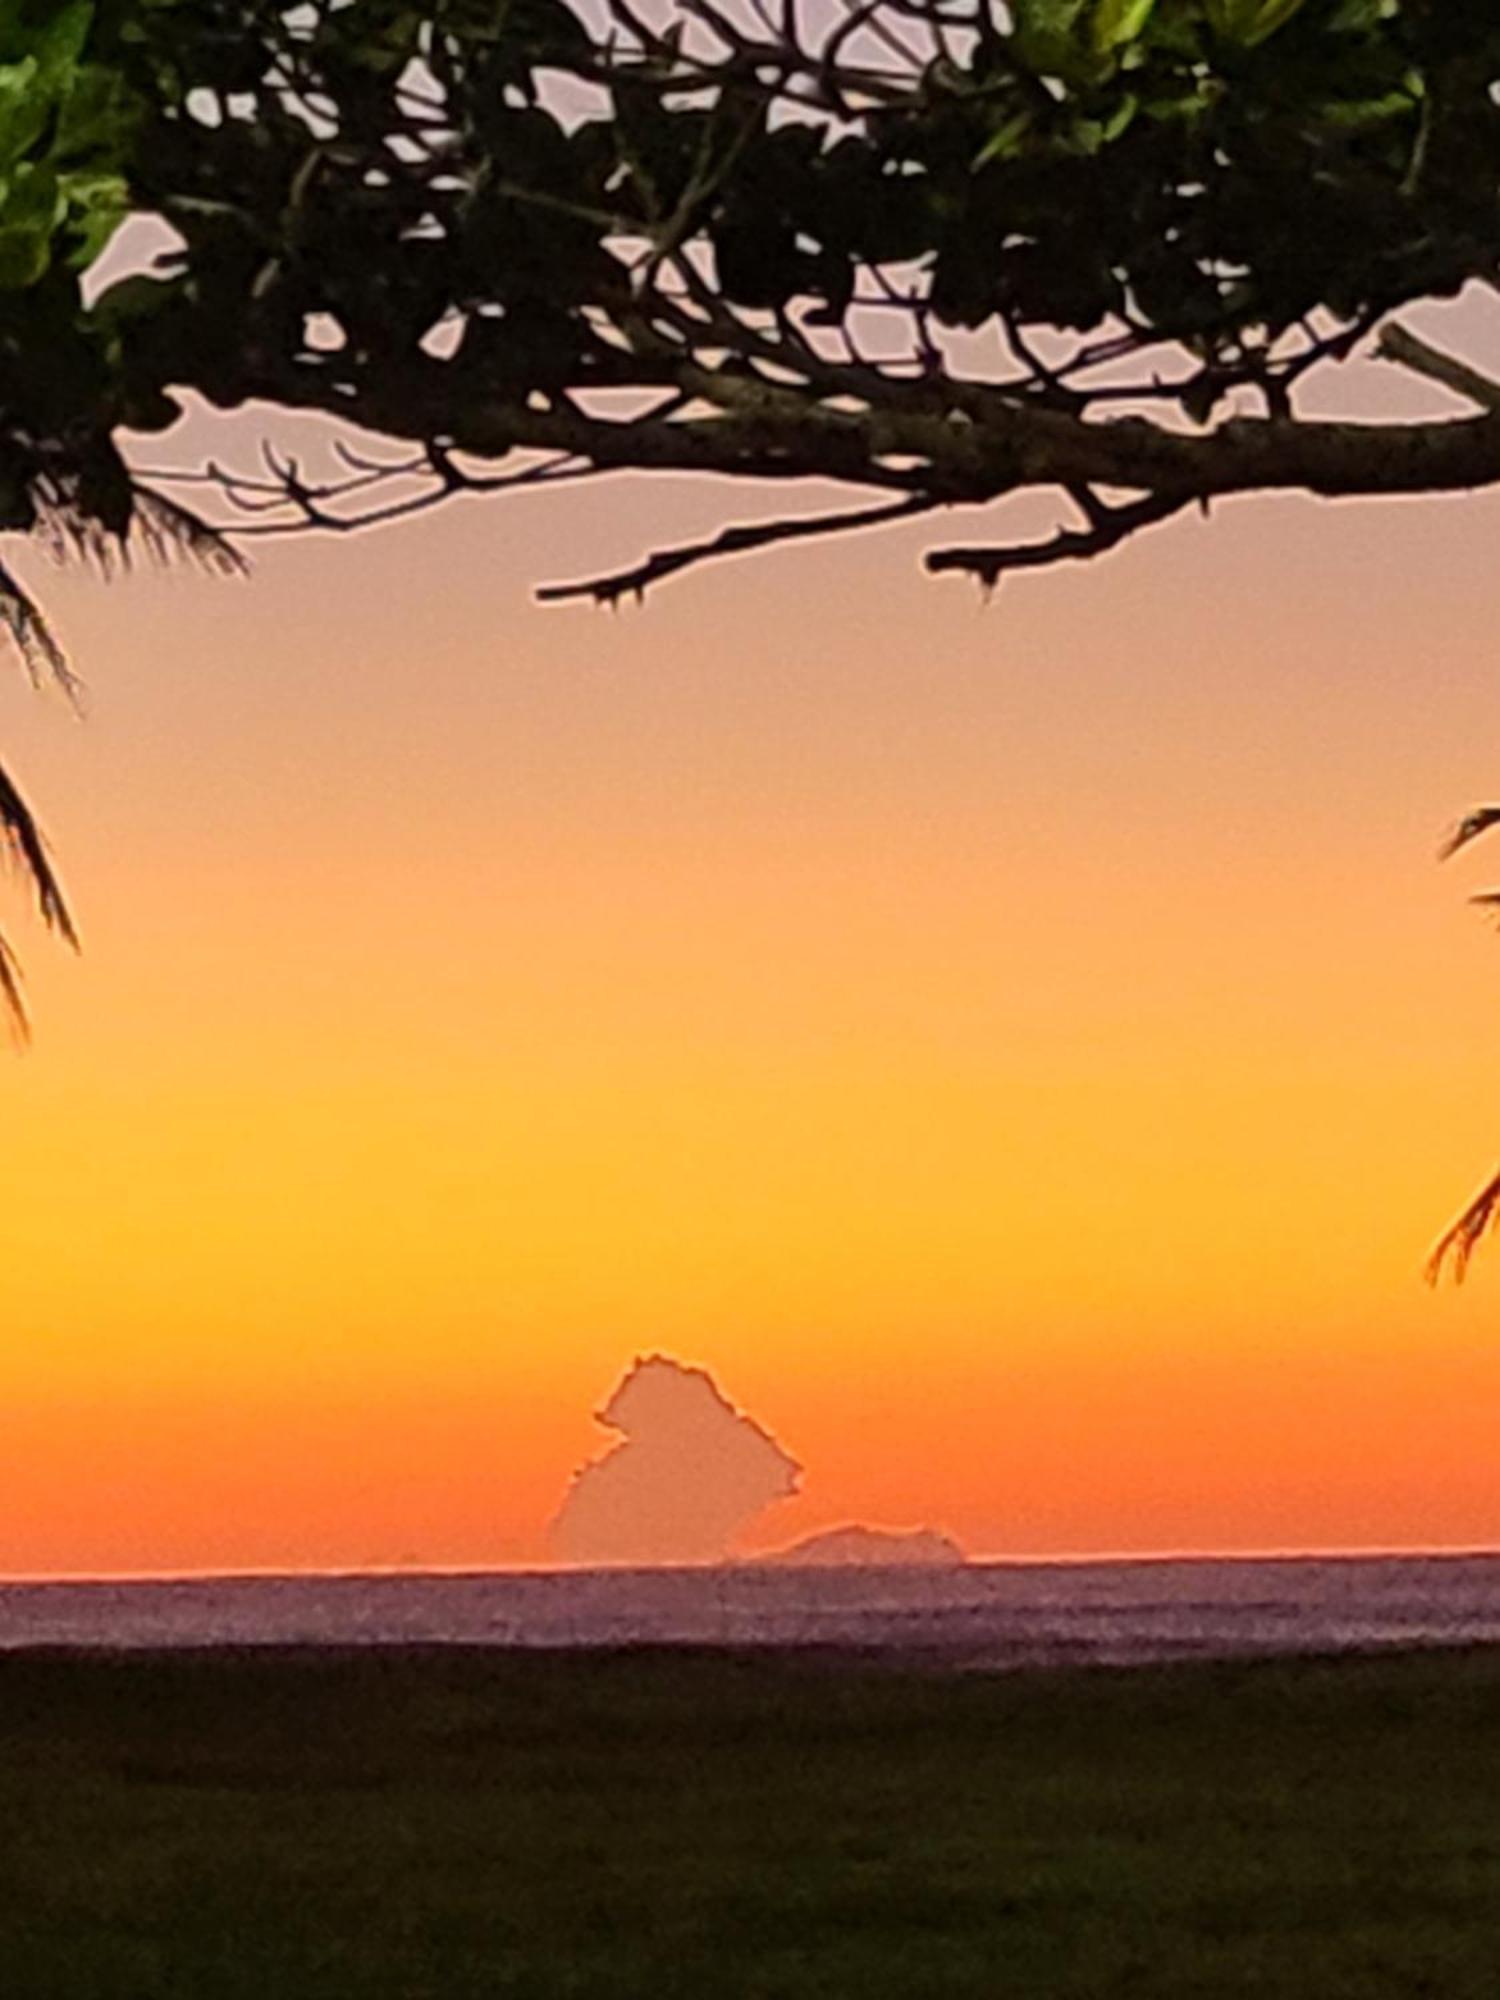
{"x": 637, "y": 580}
{"x": 1108, "y": 526}
{"x": 1408, "y": 350}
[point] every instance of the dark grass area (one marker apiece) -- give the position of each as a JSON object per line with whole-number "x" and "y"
{"x": 455, "y": 1823}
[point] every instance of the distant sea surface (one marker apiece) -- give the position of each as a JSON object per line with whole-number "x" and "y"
{"x": 981, "y": 1615}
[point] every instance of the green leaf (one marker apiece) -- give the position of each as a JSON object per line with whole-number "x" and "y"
{"x": 1371, "y": 111}
{"x": 34, "y": 199}
{"x": 1048, "y": 17}
{"x": 1121, "y": 117}
{"x": 1047, "y": 38}
{"x": 1119, "y": 21}
{"x": 1354, "y": 17}
{"x": 24, "y": 110}
{"x": 97, "y": 205}
{"x": 59, "y": 48}
{"x": 136, "y": 298}
{"x": 1007, "y": 139}
{"x": 25, "y": 255}
{"x": 1250, "y": 22}
{"x": 99, "y": 116}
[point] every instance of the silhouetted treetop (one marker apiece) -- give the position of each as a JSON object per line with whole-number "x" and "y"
{"x": 935, "y": 251}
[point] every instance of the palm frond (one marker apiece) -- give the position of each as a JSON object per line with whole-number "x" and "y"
{"x": 41, "y": 655}
{"x": 163, "y": 528}
{"x": 23, "y": 837}
{"x": 67, "y": 530}
{"x": 1469, "y": 828}
{"x": 66, "y": 533}
{"x": 1459, "y": 1243}
{"x": 11, "y": 1002}
{"x": 168, "y": 531}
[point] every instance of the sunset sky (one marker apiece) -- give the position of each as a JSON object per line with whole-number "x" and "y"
{"x": 1025, "y": 1053}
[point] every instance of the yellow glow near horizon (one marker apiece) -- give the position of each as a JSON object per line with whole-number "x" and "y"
{"x": 1022, "y": 1054}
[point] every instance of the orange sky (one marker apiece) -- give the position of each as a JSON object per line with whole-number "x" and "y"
{"x": 1024, "y": 1053}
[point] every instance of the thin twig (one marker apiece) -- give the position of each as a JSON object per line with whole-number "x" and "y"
{"x": 637, "y": 580}
{"x": 1408, "y": 350}
{"x": 1108, "y": 527}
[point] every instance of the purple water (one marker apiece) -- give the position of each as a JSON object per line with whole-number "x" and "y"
{"x": 985, "y": 1614}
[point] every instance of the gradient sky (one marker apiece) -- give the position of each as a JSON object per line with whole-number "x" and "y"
{"x": 1024, "y": 1052}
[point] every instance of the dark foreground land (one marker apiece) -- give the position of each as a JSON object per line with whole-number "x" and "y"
{"x": 455, "y": 1824}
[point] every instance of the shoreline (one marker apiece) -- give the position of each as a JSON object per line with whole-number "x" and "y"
{"x": 737, "y": 1566}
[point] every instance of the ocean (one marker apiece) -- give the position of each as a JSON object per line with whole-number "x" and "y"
{"x": 980, "y": 1615}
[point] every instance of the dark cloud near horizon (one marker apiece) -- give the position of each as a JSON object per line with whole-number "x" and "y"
{"x": 689, "y": 1474}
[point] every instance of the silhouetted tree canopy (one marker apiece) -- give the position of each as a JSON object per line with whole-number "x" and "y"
{"x": 935, "y": 252}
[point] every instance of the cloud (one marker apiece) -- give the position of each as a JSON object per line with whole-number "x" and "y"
{"x": 689, "y": 1474}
